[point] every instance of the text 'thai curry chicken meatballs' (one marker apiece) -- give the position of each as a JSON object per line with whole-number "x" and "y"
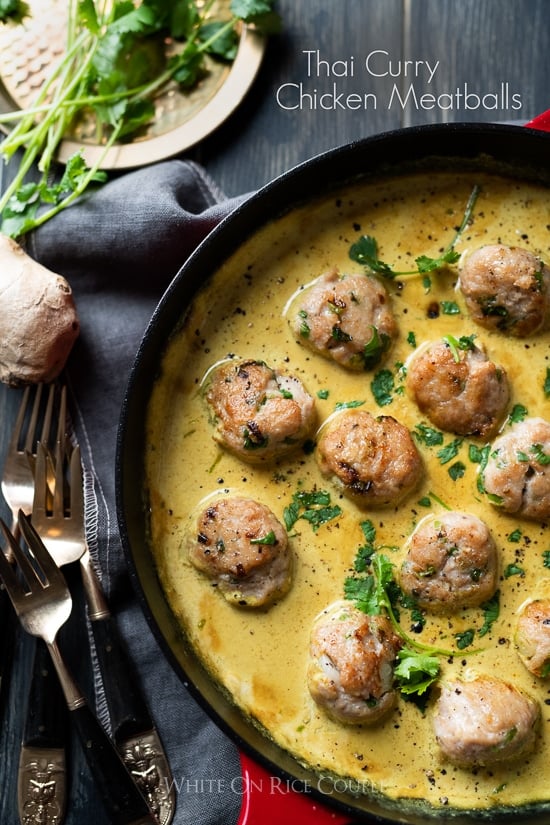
{"x": 373, "y": 460}
{"x": 242, "y": 547}
{"x": 451, "y": 563}
{"x": 484, "y": 721}
{"x": 259, "y": 413}
{"x": 346, "y": 318}
{"x": 516, "y": 475}
{"x": 457, "y": 387}
{"x": 351, "y": 664}
{"x": 506, "y": 289}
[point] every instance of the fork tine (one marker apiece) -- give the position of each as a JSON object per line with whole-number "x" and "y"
{"x": 40, "y": 480}
{"x": 31, "y": 429}
{"x": 21, "y": 415}
{"x": 51, "y": 571}
{"x": 76, "y": 489}
{"x": 26, "y": 568}
{"x": 62, "y": 419}
{"x": 7, "y": 572}
{"x": 47, "y": 423}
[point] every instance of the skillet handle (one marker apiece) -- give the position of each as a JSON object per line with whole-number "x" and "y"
{"x": 270, "y": 800}
{"x": 541, "y": 122}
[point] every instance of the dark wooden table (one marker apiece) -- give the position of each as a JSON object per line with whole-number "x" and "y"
{"x": 341, "y": 70}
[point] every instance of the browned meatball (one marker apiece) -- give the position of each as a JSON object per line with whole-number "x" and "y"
{"x": 350, "y": 673}
{"x": 517, "y": 472}
{"x": 451, "y": 562}
{"x": 346, "y": 318}
{"x": 259, "y": 413}
{"x": 533, "y": 637}
{"x": 457, "y": 387}
{"x": 373, "y": 460}
{"x": 243, "y": 548}
{"x": 506, "y": 288}
{"x": 484, "y": 721}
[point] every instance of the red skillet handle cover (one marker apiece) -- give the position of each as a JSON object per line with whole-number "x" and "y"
{"x": 271, "y": 800}
{"x": 541, "y": 122}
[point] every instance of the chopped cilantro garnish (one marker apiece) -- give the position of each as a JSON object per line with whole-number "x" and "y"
{"x": 449, "y": 451}
{"x": 464, "y": 639}
{"x": 314, "y": 506}
{"x": 457, "y": 470}
{"x": 348, "y": 405}
{"x": 428, "y": 435}
{"x": 457, "y": 345}
{"x": 450, "y": 308}
{"x": 491, "y": 611}
{"x": 269, "y": 539}
{"x": 382, "y": 386}
{"x": 415, "y": 672}
{"x": 513, "y": 570}
{"x": 517, "y": 413}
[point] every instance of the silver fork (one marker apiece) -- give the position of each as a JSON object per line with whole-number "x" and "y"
{"x": 17, "y": 485}
{"x": 45, "y": 731}
{"x": 61, "y": 528}
{"x": 17, "y": 475}
{"x": 43, "y": 603}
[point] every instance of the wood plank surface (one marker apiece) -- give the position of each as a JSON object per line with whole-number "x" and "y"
{"x": 354, "y": 48}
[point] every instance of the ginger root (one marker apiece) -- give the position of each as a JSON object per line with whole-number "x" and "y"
{"x": 38, "y": 319}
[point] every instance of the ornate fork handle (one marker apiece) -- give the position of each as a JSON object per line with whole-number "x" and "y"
{"x": 133, "y": 728}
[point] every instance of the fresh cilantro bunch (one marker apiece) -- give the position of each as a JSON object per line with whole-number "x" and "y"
{"x": 114, "y": 64}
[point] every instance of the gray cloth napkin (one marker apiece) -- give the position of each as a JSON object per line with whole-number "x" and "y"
{"x": 119, "y": 249}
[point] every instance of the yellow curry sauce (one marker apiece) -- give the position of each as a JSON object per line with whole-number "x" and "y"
{"x": 260, "y": 657}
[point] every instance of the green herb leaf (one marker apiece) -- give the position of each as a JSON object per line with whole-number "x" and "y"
{"x": 513, "y": 570}
{"x": 365, "y": 252}
{"x": 314, "y": 507}
{"x": 416, "y": 671}
{"x": 428, "y": 435}
{"x": 449, "y": 451}
{"x": 382, "y": 386}
{"x": 269, "y": 539}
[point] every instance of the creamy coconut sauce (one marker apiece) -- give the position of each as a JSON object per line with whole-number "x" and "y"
{"x": 261, "y": 657}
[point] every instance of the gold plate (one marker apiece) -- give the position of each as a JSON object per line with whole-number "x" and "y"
{"x": 182, "y": 119}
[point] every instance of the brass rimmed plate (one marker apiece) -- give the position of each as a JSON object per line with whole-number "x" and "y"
{"x": 181, "y": 119}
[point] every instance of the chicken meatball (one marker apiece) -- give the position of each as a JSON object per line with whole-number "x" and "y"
{"x": 350, "y": 672}
{"x": 346, "y": 318}
{"x": 517, "y": 472}
{"x": 259, "y": 413}
{"x": 506, "y": 289}
{"x": 533, "y": 637}
{"x": 243, "y": 548}
{"x": 452, "y": 562}
{"x": 373, "y": 460}
{"x": 484, "y": 721}
{"x": 457, "y": 387}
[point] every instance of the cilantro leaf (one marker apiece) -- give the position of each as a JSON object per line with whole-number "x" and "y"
{"x": 491, "y": 612}
{"x": 365, "y": 252}
{"x": 382, "y": 386}
{"x": 314, "y": 507}
{"x": 416, "y": 672}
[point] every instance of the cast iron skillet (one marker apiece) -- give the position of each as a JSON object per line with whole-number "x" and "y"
{"x": 522, "y": 152}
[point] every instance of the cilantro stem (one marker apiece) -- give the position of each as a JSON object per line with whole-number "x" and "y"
{"x": 115, "y": 62}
